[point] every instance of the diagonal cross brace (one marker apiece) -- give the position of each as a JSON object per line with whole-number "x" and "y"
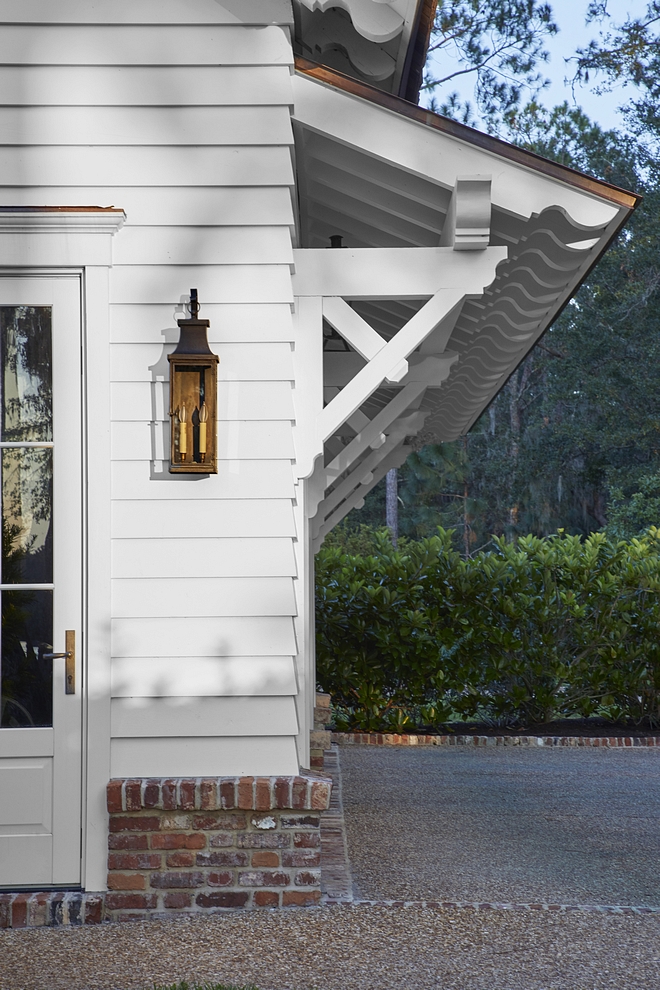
{"x": 357, "y": 332}
{"x": 395, "y": 458}
{"x": 363, "y": 472}
{"x": 390, "y": 357}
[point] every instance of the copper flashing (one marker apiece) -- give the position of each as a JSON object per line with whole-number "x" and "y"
{"x": 412, "y": 76}
{"x": 597, "y": 187}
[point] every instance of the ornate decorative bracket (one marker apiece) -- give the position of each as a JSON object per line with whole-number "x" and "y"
{"x": 375, "y": 20}
{"x": 415, "y": 357}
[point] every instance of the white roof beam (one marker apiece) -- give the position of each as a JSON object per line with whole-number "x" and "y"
{"x": 393, "y": 273}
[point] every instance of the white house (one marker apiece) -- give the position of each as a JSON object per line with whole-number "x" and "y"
{"x": 153, "y": 146}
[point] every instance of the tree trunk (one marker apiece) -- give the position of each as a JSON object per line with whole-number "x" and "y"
{"x": 392, "y": 504}
{"x": 466, "y": 521}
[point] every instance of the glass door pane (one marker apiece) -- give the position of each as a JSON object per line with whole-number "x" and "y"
{"x": 26, "y": 463}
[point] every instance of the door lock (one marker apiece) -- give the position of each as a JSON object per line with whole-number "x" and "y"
{"x": 70, "y": 661}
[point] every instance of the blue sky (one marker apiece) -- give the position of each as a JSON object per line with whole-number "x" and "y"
{"x": 569, "y": 16}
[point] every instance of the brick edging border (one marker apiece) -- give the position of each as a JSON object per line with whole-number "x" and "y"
{"x": 394, "y": 739}
{"x": 620, "y": 909}
{"x": 51, "y": 908}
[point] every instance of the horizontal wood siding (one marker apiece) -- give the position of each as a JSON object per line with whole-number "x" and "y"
{"x": 146, "y": 12}
{"x": 235, "y": 479}
{"x": 216, "y": 283}
{"x": 141, "y": 717}
{"x": 179, "y": 113}
{"x": 144, "y": 44}
{"x": 202, "y": 596}
{"x": 172, "y": 756}
{"x": 138, "y": 441}
{"x": 233, "y": 636}
{"x": 153, "y": 165}
{"x": 98, "y": 86}
{"x": 147, "y": 401}
{"x": 180, "y": 557}
{"x": 268, "y": 518}
{"x": 239, "y": 362}
{"x": 140, "y": 324}
{"x": 208, "y": 125}
{"x": 197, "y": 677}
{"x": 204, "y": 246}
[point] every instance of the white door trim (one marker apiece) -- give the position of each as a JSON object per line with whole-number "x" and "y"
{"x": 36, "y": 241}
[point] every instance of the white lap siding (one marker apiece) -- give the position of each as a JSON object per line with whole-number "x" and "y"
{"x": 179, "y": 113}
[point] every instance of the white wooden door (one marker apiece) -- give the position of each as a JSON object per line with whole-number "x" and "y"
{"x": 41, "y": 433}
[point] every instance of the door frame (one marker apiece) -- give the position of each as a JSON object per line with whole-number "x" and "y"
{"x": 78, "y": 241}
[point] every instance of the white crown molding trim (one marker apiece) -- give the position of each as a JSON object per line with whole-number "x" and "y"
{"x": 15, "y": 220}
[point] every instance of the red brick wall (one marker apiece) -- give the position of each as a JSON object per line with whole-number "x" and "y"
{"x": 200, "y": 845}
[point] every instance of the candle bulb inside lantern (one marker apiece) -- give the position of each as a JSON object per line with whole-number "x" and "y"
{"x": 183, "y": 436}
{"x": 203, "y": 419}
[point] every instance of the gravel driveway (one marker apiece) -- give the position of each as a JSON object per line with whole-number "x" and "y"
{"x": 558, "y": 825}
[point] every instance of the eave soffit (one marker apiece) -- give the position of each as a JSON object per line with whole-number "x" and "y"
{"x": 380, "y": 172}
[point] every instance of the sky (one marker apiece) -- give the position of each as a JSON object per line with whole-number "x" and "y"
{"x": 573, "y": 33}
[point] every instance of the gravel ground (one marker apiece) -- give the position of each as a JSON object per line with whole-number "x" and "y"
{"x": 345, "y": 948}
{"x": 437, "y": 824}
{"x": 569, "y": 826}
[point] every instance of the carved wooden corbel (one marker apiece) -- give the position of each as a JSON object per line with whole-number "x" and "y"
{"x": 375, "y": 20}
{"x": 467, "y": 227}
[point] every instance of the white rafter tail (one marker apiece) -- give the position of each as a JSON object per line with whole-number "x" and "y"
{"x": 430, "y": 370}
{"x": 437, "y": 341}
{"x": 358, "y": 421}
{"x": 356, "y": 500}
{"x": 381, "y": 423}
{"x": 352, "y": 327}
{"x": 467, "y": 226}
{"x": 365, "y": 383}
{"x": 363, "y": 473}
{"x": 396, "y": 374}
{"x": 375, "y": 21}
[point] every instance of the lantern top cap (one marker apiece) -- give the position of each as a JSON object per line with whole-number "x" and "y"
{"x": 193, "y": 339}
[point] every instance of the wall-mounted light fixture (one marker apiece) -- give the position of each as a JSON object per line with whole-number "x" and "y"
{"x": 193, "y": 398}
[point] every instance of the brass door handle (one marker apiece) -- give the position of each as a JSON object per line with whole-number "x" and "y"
{"x": 70, "y": 657}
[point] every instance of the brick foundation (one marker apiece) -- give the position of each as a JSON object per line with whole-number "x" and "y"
{"x": 195, "y": 845}
{"x": 213, "y": 844}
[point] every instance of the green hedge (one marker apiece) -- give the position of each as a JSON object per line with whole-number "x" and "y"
{"x": 520, "y": 634}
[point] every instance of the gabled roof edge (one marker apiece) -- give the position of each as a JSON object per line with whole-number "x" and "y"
{"x": 597, "y": 187}
{"x": 412, "y": 76}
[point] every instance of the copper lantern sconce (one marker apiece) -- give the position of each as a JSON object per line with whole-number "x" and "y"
{"x": 193, "y": 398}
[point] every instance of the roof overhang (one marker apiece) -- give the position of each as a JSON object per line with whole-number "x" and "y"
{"x": 382, "y": 173}
{"x": 383, "y": 42}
